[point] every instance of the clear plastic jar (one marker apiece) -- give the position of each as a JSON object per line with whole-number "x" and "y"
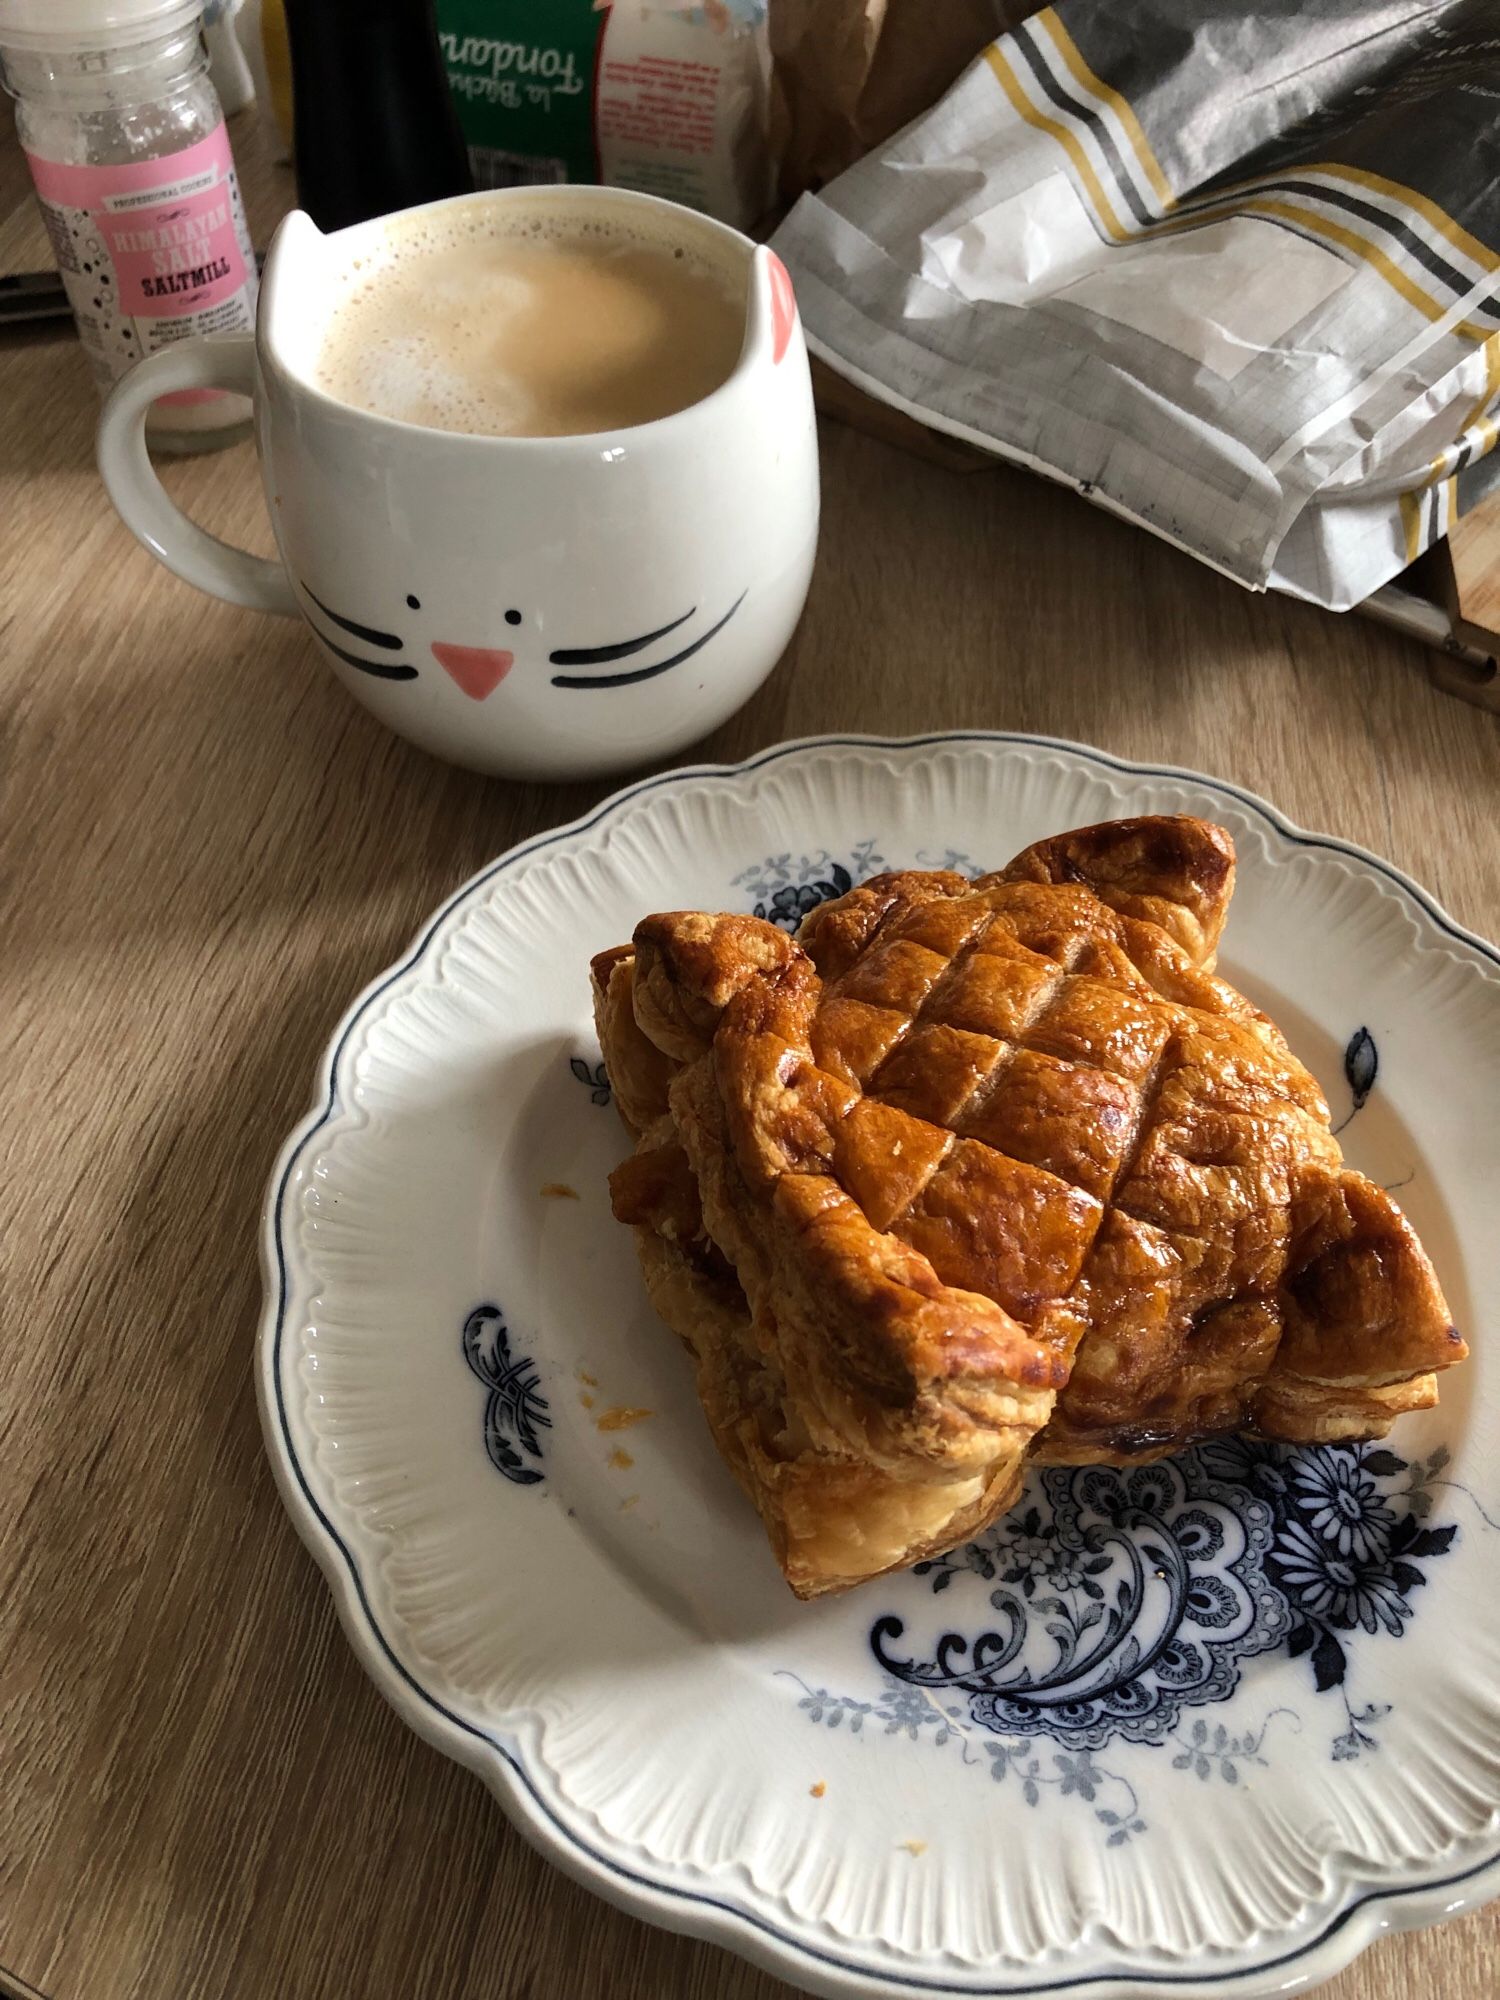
{"x": 126, "y": 142}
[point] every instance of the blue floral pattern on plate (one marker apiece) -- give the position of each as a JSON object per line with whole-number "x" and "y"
{"x": 515, "y": 1411}
{"x": 784, "y": 887}
{"x": 1126, "y": 1597}
{"x": 593, "y": 1076}
{"x": 1120, "y": 1598}
{"x": 1032, "y": 1771}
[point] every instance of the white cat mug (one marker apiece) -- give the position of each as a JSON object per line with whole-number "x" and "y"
{"x": 554, "y": 607}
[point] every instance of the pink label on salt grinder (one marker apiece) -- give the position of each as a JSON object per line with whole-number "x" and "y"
{"x": 150, "y": 250}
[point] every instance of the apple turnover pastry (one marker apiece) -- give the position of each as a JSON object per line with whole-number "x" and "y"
{"x": 974, "y": 1173}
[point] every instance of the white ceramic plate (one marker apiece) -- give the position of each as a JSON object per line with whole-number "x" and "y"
{"x": 1255, "y": 1717}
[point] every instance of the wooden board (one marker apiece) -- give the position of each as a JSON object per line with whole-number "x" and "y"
{"x": 1470, "y": 575}
{"x": 1450, "y": 597}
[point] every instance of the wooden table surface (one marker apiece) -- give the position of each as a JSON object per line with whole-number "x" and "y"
{"x": 206, "y": 850}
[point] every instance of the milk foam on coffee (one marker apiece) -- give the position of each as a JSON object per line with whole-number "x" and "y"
{"x": 552, "y": 328}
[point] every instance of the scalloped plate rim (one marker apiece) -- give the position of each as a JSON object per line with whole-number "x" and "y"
{"x": 684, "y": 1907}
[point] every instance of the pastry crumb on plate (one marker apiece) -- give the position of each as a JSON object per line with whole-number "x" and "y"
{"x": 619, "y": 1417}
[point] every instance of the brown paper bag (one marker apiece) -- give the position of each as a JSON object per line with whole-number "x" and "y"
{"x": 848, "y": 73}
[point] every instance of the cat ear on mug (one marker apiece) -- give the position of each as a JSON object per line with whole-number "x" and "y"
{"x": 771, "y": 319}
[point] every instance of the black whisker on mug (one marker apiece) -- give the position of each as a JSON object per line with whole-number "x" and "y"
{"x": 642, "y": 673}
{"x": 366, "y": 632}
{"x": 593, "y": 656}
{"x": 383, "y": 670}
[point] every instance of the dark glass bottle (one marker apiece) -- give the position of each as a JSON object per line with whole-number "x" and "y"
{"x": 374, "y": 125}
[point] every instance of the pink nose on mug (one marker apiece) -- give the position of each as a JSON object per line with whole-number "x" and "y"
{"x": 478, "y": 670}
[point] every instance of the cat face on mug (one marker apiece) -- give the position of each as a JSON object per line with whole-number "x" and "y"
{"x": 478, "y": 670}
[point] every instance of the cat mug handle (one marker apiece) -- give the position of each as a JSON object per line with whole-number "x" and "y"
{"x": 202, "y": 361}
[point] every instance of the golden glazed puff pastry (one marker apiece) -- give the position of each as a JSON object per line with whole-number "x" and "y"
{"x": 970, "y": 1173}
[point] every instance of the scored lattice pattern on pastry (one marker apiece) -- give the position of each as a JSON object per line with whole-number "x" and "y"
{"x": 972, "y": 1172}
